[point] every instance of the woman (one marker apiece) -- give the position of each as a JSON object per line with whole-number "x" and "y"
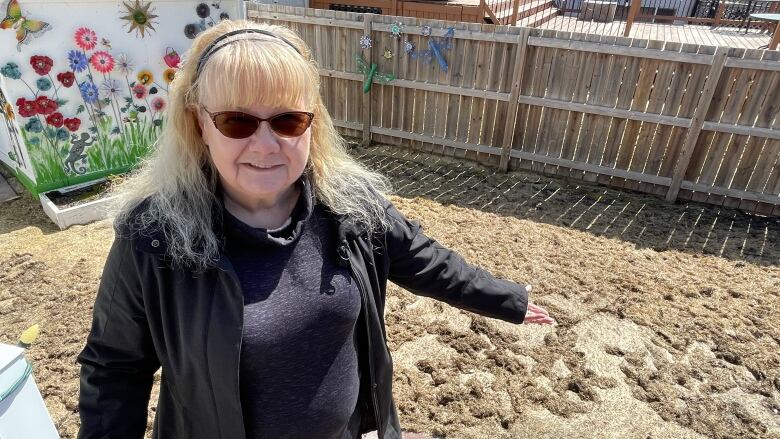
{"x": 251, "y": 245}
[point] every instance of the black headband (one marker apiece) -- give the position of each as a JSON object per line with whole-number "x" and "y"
{"x": 212, "y": 49}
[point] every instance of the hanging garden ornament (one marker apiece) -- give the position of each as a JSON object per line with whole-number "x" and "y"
{"x": 408, "y": 47}
{"x": 171, "y": 58}
{"x": 140, "y": 17}
{"x": 370, "y": 73}
{"x": 436, "y": 49}
{"x": 388, "y": 54}
{"x": 26, "y": 29}
{"x": 365, "y": 42}
{"x": 396, "y": 29}
{"x": 426, "y": 31}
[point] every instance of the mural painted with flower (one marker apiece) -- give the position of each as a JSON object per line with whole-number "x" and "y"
{"x": 118, "y": 107}
{"x": 93, "y": 99}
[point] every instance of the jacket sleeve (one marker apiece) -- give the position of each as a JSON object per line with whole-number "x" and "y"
{"x": 118, "y": 362}
{"x": 425, "y": 267}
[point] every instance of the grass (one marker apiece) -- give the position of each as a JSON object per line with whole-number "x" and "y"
{"x": 109, "y": 152}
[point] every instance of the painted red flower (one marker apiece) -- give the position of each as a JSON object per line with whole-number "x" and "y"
{"x": 158, "y": 104}
{"x": 55, "y": 120}
{"x": 66, "y": 78}
{"x": 86, "y": 38}
{"x": 72, "y": 123}
{"x": 26, "y": 108}
{"x": 139, "y": 91}
{"x": 41, "y": 64}
{"x": 44, "y": 105}
{"x": 102, "y": 61}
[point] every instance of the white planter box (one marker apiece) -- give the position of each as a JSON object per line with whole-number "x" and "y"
{"x": 81, "y": 214}
{"x": 22, "y": 411}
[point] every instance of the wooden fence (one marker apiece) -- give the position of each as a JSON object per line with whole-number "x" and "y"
{"x": 678, "y": 120}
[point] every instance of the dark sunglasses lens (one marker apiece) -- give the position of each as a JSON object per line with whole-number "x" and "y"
{"x": 236, "y": 125}
{"x": 290, "y": 124}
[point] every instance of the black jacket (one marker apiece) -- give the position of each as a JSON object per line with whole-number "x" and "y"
{"x": 148, "y": 315}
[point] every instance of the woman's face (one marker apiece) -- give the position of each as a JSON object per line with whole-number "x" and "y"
{"x": 258, "y": 171}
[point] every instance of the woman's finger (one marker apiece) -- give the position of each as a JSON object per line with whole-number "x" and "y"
{"x": 538, "y": 319}
{"x": 537, "y": 309}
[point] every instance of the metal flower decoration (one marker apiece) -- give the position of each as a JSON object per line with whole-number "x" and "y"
{"x": 426, "y": 31}
{"x": 408, "y": 46}
{"x": 396, "y": 29}
{"x": 140, "y": 17}
{"x": 366, "y": 42}
{"x": 388, "y": 54}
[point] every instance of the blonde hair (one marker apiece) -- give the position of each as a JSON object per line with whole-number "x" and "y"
{"x": 177, "y": 183}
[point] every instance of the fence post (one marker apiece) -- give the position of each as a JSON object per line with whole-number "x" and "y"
{"x": 514, "y": 95}
{"x": 633, "y": 11}
{"x": 515, "y": 10}
{"x": 775, "y": 37}
{"x": 366, "y": 107}
{"x": 684, "y": 158}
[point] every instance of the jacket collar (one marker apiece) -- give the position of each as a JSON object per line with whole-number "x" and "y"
{"x": 154, "y": 240}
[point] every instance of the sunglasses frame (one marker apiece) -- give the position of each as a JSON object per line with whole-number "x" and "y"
{"x": 259, "y": 120}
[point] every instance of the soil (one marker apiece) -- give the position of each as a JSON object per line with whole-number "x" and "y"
{"x": 668, "y": 314}
{"x": 82, "y": 195}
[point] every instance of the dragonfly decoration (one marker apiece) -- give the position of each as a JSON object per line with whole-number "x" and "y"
{"x": 436, "y": 49}
{"x": 371, "y": 74}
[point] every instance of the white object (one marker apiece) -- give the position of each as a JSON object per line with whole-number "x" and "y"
{"x": 84, "y": 213}
{"x": 23, "y": 414}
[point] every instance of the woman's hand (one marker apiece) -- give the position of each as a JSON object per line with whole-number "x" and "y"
{"x": 536, "y": 314}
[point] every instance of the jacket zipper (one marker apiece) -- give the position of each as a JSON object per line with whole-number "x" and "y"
{"x": 230, "y": 271}
{"x": 363, "y": 294}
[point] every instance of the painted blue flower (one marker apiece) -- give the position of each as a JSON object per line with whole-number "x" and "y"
{"x": 35, "y": 141}
{"x": 89, "y": 92}
{"x": 62, "y": 134}
{"x": 34, "y": 126}
{"x": 11, "y": 70}
{"x": 43, "y": 84}
{"x": 77, "y": 60}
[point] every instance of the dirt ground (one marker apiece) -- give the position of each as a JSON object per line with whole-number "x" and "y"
{"x": 668, "y": 315}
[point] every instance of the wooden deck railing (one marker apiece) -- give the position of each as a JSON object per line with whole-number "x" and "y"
{"x": 716, "y": 21}
{"x": 681, "y": 121}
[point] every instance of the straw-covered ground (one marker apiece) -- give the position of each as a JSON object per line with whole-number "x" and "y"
{"x": 669, "y": 315}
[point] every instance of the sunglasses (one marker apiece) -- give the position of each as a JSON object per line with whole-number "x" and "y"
{"x": 239, "y": 125}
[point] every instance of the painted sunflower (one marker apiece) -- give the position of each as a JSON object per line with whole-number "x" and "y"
{"x": 145, "y": 77}
{"x": 140, "y": 17}
{"x": 168, "y": 75}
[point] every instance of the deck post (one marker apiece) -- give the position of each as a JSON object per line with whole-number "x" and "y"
{"x": 633, "y": 11}
{"x": 514, "y": 96}
{"x": 515, "y": 10}
{"x": 697, "y": 122}
{"x": 366, "y": 106}
{"x": 775, "y": 37}
{"x": 719, "y": 13}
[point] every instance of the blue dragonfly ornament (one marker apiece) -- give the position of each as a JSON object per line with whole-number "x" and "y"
{"x": 436, "y": 49}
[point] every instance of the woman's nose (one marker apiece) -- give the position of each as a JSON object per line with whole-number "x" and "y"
{"x": 264, "y": 139}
